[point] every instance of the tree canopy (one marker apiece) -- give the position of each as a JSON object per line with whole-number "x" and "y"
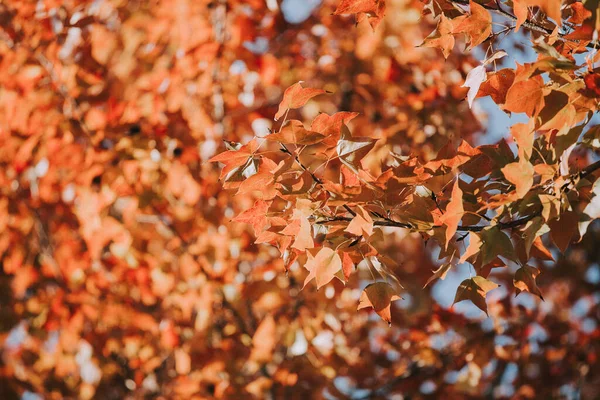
{"x": 337, "y": 199}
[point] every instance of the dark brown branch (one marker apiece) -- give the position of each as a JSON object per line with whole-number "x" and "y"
{"x": 590, "y": 169}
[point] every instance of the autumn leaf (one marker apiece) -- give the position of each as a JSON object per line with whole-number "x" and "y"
{"x": 347, "y": 265}
{"x": 355, "y": 6}
{"x": 526, "y": 96}
{"x": 579, "y": 13}
{"x": 379, "y": 296}
{"x": 477, "y": 26}
{"x": 591, "y": 210}
{"x": 519, "y": 174}
{"x": 521, "y": 11}
{"x": 236, "y": 160}
{"x": 473, "y": 248}
{"x": 255, "y": 216}
{"x": 495, "y": 243}
{"x": 454, "y": 212}
{"x": 442, "y": 38}
{"x": 353, "y": 149}
{"x": 474, "y": 79}
{"x": 361, "y": 224}
{"x": 323, "y": 267}
{"x": 497, "y": 85}
{"x": 295, "y": 97}
{"x": 563, "y": 229}
{"x": 439, "y": 273}
{"x": 524, "y": 280}
{"x": 524, "y": 135}
{"x": 293, "y": 132}
{"x": 475, "y": 290}
{"x": 374, "y": 10}
{"x": 264, "y": 340}
{"x": 550, "y": 7}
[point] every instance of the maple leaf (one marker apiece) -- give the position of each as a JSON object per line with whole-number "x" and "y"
{"x": 478, "y": 25}
{"x": 255, "y": 216}
{"x": 475, "y": 290}
{"x": 294, "y": 132}
{"x": 591, "y": 210}
{"x": 497, "y": 85}
{"x": 526, "y": 96}
{"x": 304, "y": 239}
{"x": 495, "y": 243}
{"x": 524, "y": 135}
{"x": 361, "y": 224}
{"x": 563, "y": 229}
{"x": 473, "y": 248}
{"x": 454, "y": 212}
{"x": 295, "y": 97}
{"x": 579, "y": 13}
{"x": 331, "y": 125}
{"x": 353, "y": 149}
{"x": 440, "y": 273}
{"x": 379, "y": 296}
{"x": 374, "y": 10}
{"x": 236, "y": 160}
{"x": 356, "y": 6}
{"x": 442, "y": 38}
{"x": 519, "y": 174}
{"x": 347, "y": 265}
{"x": 264, "y": 340}
{"x": 524, "y": 280}
{"x": 474, "y": 79}
{"x": 550, "y": 7}
{"x": 262, "y": 182}
{"x": 323, "y": 267}
{"x": 521, "y": 11}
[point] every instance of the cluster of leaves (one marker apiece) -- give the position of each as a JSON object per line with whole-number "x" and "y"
{"x": 129, "y": 268}
{"x": 503, "y": 202}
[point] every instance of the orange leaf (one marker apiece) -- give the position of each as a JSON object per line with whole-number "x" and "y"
{"x": 523, "y": 135}
{"x": 374, "y": 10}
{"x": 255, "y": 216}
{"x": 234, "y": 159}
{"x": 519, "y": 174}
{"x": 473, "y": 248}
{"x": 497, "y": 85}
{"x": 379, "y": 296}
{"x": 442, "y": 37}
{"x": 356, "y": 6}
{"x": 295, "y": 97}
{"x": 478, "y": 25}
{"x": 550, "y": 7}
{"x": 440, "y": 273}
{"x": 526, "y": 96}
{"x": 475, "y": 290}
{"x": 524, "y": 280}
{"x": 361, "y": 224}
{"x": 294, "y": 132}
{"x": 454, "y": 212}
{"x": 322, "y": 267}
{"x": 264, "y": 340}
{"x": 579, "y": 13}
{"x": 521, "y": 12}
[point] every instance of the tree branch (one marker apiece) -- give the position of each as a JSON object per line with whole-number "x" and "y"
{"x": 527, "y": 24}
{"x": 471, "y": 228}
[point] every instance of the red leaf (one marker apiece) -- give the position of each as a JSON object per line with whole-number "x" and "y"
{"x": 454, "y": 212}
{"x": 379, "y": 296}
{"x": 255, "y": 216}
{"x": 295, "y": 97}
{"x": 322, "y": 267}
